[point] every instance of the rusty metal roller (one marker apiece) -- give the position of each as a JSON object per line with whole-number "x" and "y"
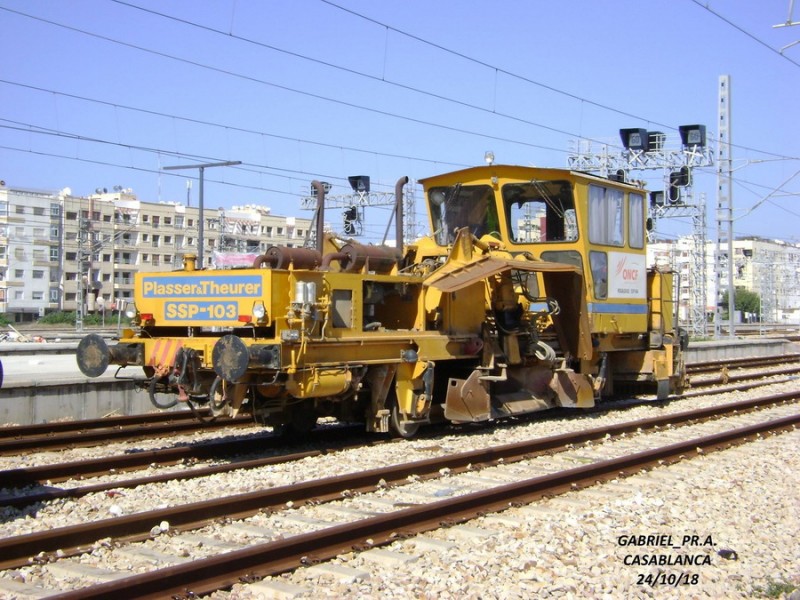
{"x": 281, "y": 257}
{"x": 380, "y": 259}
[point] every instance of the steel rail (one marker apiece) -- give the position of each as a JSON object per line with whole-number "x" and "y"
{"x": 740, "y": 363}
{"x": 99, "y": 436}
{"x": 19, "y": 431}
{"x": 729, "y": 378}
{"x": 261, "y": 441}
{"x": 222, "y": 571}
{"x": 16, "y": 551}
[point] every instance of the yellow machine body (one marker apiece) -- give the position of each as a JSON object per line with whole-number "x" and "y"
{"x": 531, "y": 293}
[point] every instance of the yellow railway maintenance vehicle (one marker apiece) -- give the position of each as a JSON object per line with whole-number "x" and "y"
{"x": 531, "y": 293}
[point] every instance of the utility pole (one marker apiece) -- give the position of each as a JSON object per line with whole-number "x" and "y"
{"x": 200, "y": 226}
{"x": 724, "y": 207}
{"x": 84, "y": 225}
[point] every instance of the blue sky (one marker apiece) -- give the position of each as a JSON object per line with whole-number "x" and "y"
{"x": 100, "y": 93}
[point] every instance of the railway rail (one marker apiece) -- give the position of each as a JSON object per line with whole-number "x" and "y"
{"x": 222, "y": 450}
{"x": 740, "y": 363}
{"x": 68, "y": 434}
{"x": 205, "y": 575}
{"x": 70, "y": 540}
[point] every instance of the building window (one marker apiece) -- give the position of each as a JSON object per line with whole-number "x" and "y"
{"x": 71, "y": 256}
{"x": 55, "y": 232}
{"x": 38, "y": 274}
{"x": 72, "y": 216}
{"x": 54, "y": 295}
{"x": 19, "y": 253}
{"x": 19, "y": 295}
{"x": 20, "y": 209}
{"x": 38, "y": 232}
{"x": 54, "y": 255}
{"x": 38, "y": 211}
{"x": 19, "y": 273}
{"x": 37, "y": 296}
{"x": 55, "y": 210}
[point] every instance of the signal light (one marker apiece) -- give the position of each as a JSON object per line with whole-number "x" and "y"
{"x": 674, "y": 194}
{"x": 634, "y": 139}
{"x": 359, "y": 183}
{"x": 657, "y": 198}
{"x": 693, "y": 135}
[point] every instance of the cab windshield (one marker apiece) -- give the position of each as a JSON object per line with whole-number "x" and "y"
{"x": 458, "y": 206}
{"x": 540, "y": 211}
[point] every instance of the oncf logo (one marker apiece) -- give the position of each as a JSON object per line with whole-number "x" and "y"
{"x": 626, "y": 272}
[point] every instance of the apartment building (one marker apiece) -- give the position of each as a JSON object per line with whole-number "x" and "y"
{"x": 30, "y": 240}
{"x": 770, "y": 268}
{"x": 56, "y": 248}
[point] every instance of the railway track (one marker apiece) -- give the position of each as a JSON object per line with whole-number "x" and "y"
{"x": 16, "y": 550}
{"x": 72, "y": 434}
{"x": 715, "y": 366}
{"x": 223, "y": 450}
{"x": 90, "y": 432}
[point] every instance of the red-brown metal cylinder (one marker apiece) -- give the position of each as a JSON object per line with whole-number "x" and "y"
{"x": 281, "y": 257}
{"x": 378, "y": 259}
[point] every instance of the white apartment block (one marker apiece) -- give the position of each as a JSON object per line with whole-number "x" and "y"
{"x": 53, "y": 242}
{"x": 770, "y": 268}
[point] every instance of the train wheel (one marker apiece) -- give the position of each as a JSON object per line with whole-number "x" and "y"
{"x": 159, "y": 397}
{"x": 402, "y": 428}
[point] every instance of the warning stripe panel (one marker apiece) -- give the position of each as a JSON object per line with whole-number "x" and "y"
{"x": 163, "y": 352}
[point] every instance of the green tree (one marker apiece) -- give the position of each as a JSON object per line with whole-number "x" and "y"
{"x": 743, "y": 300}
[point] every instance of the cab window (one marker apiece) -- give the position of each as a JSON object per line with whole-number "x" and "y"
{"x": 636, "y": 221}
{"x": 460, "y": 206}
{"x": 540, "y": 211}
{"x": 606, "y": 216}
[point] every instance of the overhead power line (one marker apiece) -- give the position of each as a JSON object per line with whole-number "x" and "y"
{"x": 745, "y": 32}
{"x": 253, "y": 79}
